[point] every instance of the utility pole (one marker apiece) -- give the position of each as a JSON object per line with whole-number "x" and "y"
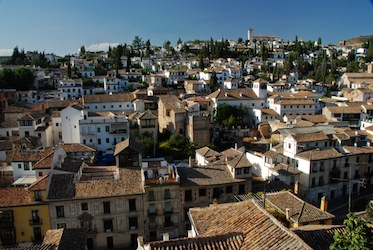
{"x": 350, "y": 182}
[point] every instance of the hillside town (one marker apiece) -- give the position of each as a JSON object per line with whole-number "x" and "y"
{"x": 217, "y": 144}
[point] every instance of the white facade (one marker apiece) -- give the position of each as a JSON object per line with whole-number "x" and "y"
{"x": 70, "y": 118}
{"x": 71, "y": 88}
{"x": 104, "y": 132}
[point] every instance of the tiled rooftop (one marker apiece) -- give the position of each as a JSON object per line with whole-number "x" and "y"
{"x": 232, "y": 241}
{"x": 14, "y": 196}
{"x": 300, "y": 211}
{"x": 319, "y": 154}
{"x": 260, "y": 229}
{"x": 319, "y": 237}
{"x": 129, "y": 183}
{"x": 212, "y": 174}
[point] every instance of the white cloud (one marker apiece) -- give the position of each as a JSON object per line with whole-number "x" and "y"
{"x": 100, "y": 46}
{"x": 6, "y": 52}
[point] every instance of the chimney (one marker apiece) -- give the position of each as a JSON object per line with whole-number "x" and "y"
{"x": 166, "y": 237}
{"x": 140, "y": 241}
{"x": 235, "y": 146}
{"x": 190, "y": 234}
{"x": 287, "y": 212}
{"x": 324, "y": 204}
{"x": 190, "y": 161}
{"x": 296, "y": 188}
{"x": 214, "y": 202}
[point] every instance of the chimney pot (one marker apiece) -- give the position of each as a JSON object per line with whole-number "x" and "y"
{"x": 287, "y": 211}
{"x": 190, "y": 234}
{"x": 296, "y": 188}
{"x": 166, "y": 237}
{"x": 324, "y": 204}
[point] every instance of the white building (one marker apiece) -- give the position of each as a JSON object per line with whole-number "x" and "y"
{"x": 72, "y": 88}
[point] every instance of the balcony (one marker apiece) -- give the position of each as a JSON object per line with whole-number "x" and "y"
{"x": 335, "y": 174}
{"x": 158, "y": 182}
{"x": 119, "y": 131}
{"x": 35, "y": 221}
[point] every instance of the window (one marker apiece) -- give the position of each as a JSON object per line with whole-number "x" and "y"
{"x": 132, "y": 221}
{"x": 202, "y": 192}
{"x": 167, "y": 207}
{"x": 98, "y": 130}
{"x": 132, "y": 204}
{"x": 188, "y": 195}
{"x": 99, "y": 141}
{"x": 152, "y": 209}
{"x": 167, "y": 194}
{"x": 229, "y": 189}
{"x": 108, "y": 225}
{"x": 107, "y": 128}
{"x": 313, "y": 184}
{"x": 19, "y": 165}
{"x": 84, "y": 206}
{"x": 37, "y": 196}
{"x": 314, "y": 167}
{"x": 61, "y": 225}
{"x": 321, "y": 180}
{"x": 168, "y": 221}
{"x": 57, "y": 124}
{"x": 26, "y": 166}
{"x": 238, "y": 171}
{"x": 289, "y": 145}
{"x": 151, "y": 195}
{"x": 322, "y": 168}
{"x": 60, "y": 211}
{"x": 106, "y": 206}
{"x": 246, "y": 170}
{"x": 107, "y": 140}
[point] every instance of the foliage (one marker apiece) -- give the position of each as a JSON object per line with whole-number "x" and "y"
{"x": 148, "y": 143}
{"x": 214, "y": 85}
{"x": 228, "y": 115}
{"x": 357, "y": 235}
{"x": 178, "y": 146}
{"x": 353, "y": 67}
{"x": 20, "y": 78}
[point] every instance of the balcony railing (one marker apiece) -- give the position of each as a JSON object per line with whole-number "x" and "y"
{"x": 119, "y": 131}
{"x": 36, "y": 221}
{"x": 158, "y": 182}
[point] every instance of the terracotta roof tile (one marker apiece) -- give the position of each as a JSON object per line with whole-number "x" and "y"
{"x": 261, "y": 230}
{"x": 212, "y": 174}
{"x": 300, "y": 211}
{"x": 319, "y": 237}
{"x": 40, "y": 184}
{"x": 118, "y": 97}
{"x": 14, "y": 196}
{"x": 319, "y": 154}
{"x": 317, "y": 136}
{"x": 129, "y": 183}
{"x": 232, "y": 241}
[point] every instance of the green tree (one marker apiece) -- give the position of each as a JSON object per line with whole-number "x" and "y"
{"x": 82, "y": 50}
{"x": 214, "y": 85}
{"x": 179, "y": 41}
{"x": 148, "y": 143}
{"x": 228, "y": 115}
{"x": 352, "y": 67}
{"x": 69, "y": 73}
{"x": 201, "y": 64}
{"x": 6, "y": 78}
{"x": 239, "y": 40}
{"x": 356, "y": 235}
{"x": 23, "y": 78}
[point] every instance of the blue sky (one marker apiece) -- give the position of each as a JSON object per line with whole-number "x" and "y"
{"x": 62, "y": 26}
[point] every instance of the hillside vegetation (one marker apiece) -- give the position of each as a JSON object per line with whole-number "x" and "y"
{"x": 358, "y": 41}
